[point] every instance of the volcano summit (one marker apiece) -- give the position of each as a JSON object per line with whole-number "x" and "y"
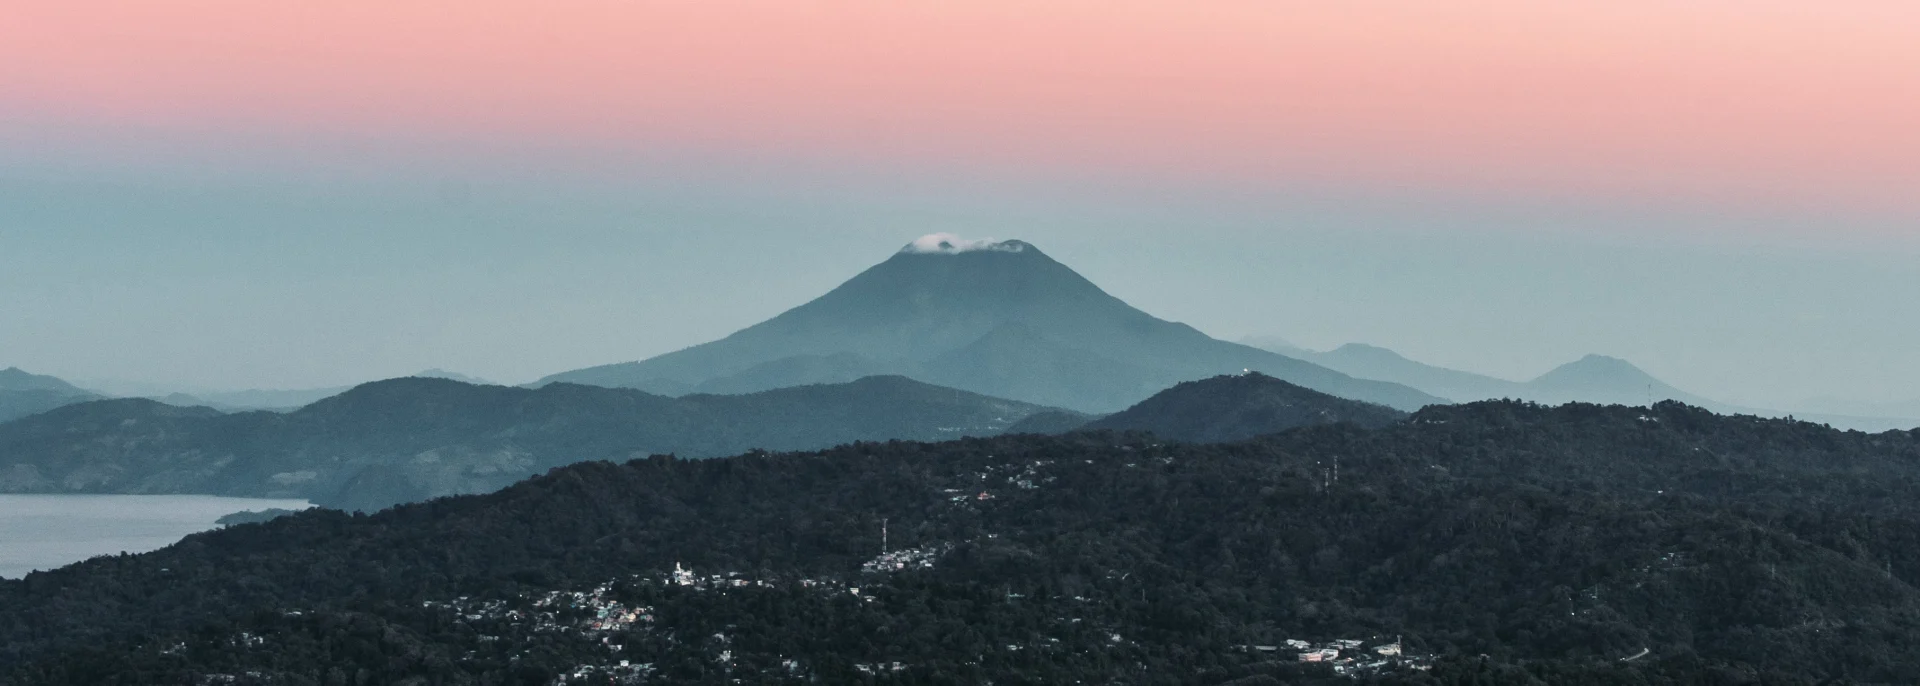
{"x": 999, "y": 318}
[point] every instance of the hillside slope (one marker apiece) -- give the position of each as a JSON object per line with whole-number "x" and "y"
{"x": 1496, "y": 543}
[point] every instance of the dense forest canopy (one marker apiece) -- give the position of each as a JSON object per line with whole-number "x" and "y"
{"x": 1490, "y": 543}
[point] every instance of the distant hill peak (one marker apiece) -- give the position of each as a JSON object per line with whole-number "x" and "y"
{"x": 1598, "y": 359}
{"x": 888, "y": 381}
{"x": 1240, "y": 406}
{"x": 17, "y": 379}
{"x": 118, "y": 409}
{"x": 404, "y": 383}
{"x": 1368, "y": 351}
{"x": 950, "y": 244}
{"x": 438, "y": 373}
{"x": 1598, "y": 367}
{"x": 389, "y": 393}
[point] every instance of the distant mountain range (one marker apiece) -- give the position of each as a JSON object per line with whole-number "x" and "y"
{"x": 275, "y": 399}
{"x": 289, "y": 399}
{"x": 1001, "y": 319}
{"x": 23, "y": 394}
{"x": 1225, "y": 408}
{"x": 415, "y": 438}
{"x": 1592, "y": 379}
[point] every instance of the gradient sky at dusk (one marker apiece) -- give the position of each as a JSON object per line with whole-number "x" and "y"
{"x": 231, "y": 193}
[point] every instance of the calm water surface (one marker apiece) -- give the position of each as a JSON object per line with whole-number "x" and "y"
{"x": 50, "y": 531}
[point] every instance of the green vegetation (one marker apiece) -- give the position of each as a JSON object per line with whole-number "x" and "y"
{"x": 1516, "y": 544}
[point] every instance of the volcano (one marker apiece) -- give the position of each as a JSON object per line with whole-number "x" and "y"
{"x": 997, "y": 318}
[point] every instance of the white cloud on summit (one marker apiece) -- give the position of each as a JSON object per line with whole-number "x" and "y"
{"x": 950, "y": 244}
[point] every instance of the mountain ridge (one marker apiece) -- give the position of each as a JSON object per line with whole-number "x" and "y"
{"x": 23, "y": 393}
{"x": 1593, "y": 378}
{"x": 17, "y": 379}
{"x": 414, "y": 438}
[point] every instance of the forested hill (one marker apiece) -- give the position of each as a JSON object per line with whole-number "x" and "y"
{"x": 414, "y": 438}
{"x": 1241, "y": 406}
{"x": 1494, "y": 543}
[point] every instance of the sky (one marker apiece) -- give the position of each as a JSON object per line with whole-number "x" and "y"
{"x": 223, "y": 194}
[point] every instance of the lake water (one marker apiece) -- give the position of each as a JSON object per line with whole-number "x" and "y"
{"x": 51, "y": 531}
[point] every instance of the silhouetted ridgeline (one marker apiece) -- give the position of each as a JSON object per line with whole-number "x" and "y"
{"x": 414, "y": 438}
{"x": 1232, "y": 408}
{"x": 1557, "y": 542}
{"x": 1222, "y": 408}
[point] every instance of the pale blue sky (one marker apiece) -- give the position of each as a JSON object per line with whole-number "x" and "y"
{"x": 245, "y": 194}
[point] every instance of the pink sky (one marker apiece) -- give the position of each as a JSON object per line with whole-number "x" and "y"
{"x": 1804, "y": 104}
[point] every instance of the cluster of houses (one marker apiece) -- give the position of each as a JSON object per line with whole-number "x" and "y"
{"x": 1349, "y": 657}
{"x": 598, "y": 613}
{"x": 903, "y": 560}
{"x": 879, "y": 667}
{"x": 960, "y": 497}
{"x": 622, "y": 673}
{"x": 606, "y": 615}
{"x": 1028, "y": 478}
{"x": 681, "y": 576}
{"x": 1022, "y": 476}
{"x": 591, "y": 613}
